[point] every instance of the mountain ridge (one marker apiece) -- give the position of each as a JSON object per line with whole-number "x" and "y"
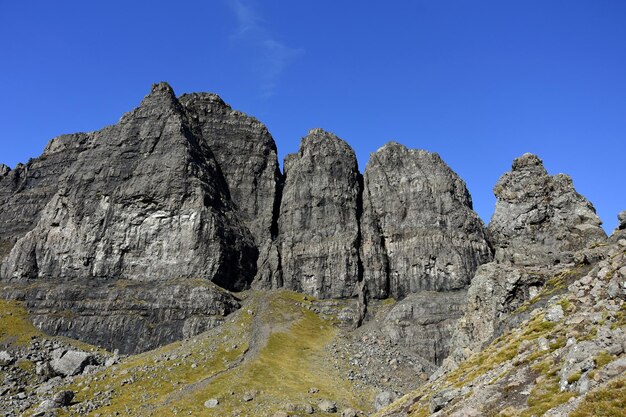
{"x": 156, "y": 229}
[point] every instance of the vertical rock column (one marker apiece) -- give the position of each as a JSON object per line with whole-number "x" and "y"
{"x": 419, "y": 230}
{"x": 318, "y": 224}
{"x": 246, "y": 154}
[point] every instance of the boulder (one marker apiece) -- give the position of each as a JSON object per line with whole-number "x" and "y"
{"x": 327, "y": 406}
{"x": 6, "y": 358}
{"x": 211, "y": 403}
{"x": 441, "y": 399}
{"x": 71, "y": 363}
{"x": 383, "y": 399}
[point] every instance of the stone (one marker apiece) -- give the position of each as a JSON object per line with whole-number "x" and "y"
{"x": 47, "y": 405}
{"x": 383, "y": 399}
{"x": 249, "y": 396}
{"x": 555, "y": 313}
{"x": 348, "y": 412}
{"x": 318, "y": 229}
{"x": 543, "y": 344}
{"x": 44, "y": 370}
{"x": 211, "y": 403}
{"x": 63, "y": 398}
{"x": 71, "y": 363}
{"x": 442, "y": 398}
{"x": 327, "y": 406}
{"x": 6, "y": 358}
{"x": 419, "y": 232}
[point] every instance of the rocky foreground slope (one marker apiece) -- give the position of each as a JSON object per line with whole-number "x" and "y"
{"x": 560, "y": 352}
{"x": 176, "y": 225}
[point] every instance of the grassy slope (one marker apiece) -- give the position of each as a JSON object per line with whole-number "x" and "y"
{"x": 279, "y": 364}
{"x": 15, "y": 327}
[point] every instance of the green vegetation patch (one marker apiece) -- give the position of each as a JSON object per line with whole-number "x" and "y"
{"x": 275, "y": 347}
{"x": 603, "y": 358}
{"x": 608, "y": 401}
{"x": 15, "y": 326}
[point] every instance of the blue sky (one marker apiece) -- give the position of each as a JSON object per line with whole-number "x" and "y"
{"x": 479, "y": 82}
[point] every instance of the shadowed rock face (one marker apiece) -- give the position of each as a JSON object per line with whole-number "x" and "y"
{"x": 246, "y": 154}
{"x": 131, "y": 316}
{"x": 540, "y": 219}
{"x": 318, "y": 226}
{"x": 419, "y": 229}
{"x": 423, "y": 322}
{"x": 143, "y": 201}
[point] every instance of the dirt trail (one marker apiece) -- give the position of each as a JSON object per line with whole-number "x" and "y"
{"x": 259, "y": 335}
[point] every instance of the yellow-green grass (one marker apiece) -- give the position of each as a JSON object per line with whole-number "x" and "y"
{"x": 291, "y": 359}
{"x": 15, "y": 327}
{"x": 292, "y": 362}
{"x": 501, "y": 350}
{"x": 607, "y": 401}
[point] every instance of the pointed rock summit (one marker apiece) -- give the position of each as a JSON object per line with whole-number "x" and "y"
{"x": 137, "y": 203}
{"x": 318, "y": 226}
{"x": 246, "y": 154}
{"x": 539, "y": 225}
{"x": 540, "y": 218}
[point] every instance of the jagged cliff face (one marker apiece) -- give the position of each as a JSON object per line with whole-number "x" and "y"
{"x": 246, "y": 154}
{"x": 132, "y": 236}
{"x": 143, "y": 201}
{"x": 318, "y": 226}
{"x": 25, "y": 190}
{"x": 541, "y": 226}
{"x": 419, "y": 229}
{"x": 146, "y": 189}
{"x": 540, "y": 219}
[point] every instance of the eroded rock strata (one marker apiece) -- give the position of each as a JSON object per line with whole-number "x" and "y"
{"x": 419, "y": 230}
{"x": 541, "y": 227}
{"x": 318, "y": 230}
{"x": 142, "y": 201}
{"x": 131, "y": 237}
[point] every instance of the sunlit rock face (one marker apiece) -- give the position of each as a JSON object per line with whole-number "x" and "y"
{"x": 318, "y": 229}
{"x": 419, "y": 231}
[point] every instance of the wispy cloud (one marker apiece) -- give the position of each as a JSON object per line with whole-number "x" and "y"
{"x": 272, "y": 55}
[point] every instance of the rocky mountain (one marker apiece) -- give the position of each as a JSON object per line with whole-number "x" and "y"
{"x": 176, "y": 225}
{"x": 136, "y": 205}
